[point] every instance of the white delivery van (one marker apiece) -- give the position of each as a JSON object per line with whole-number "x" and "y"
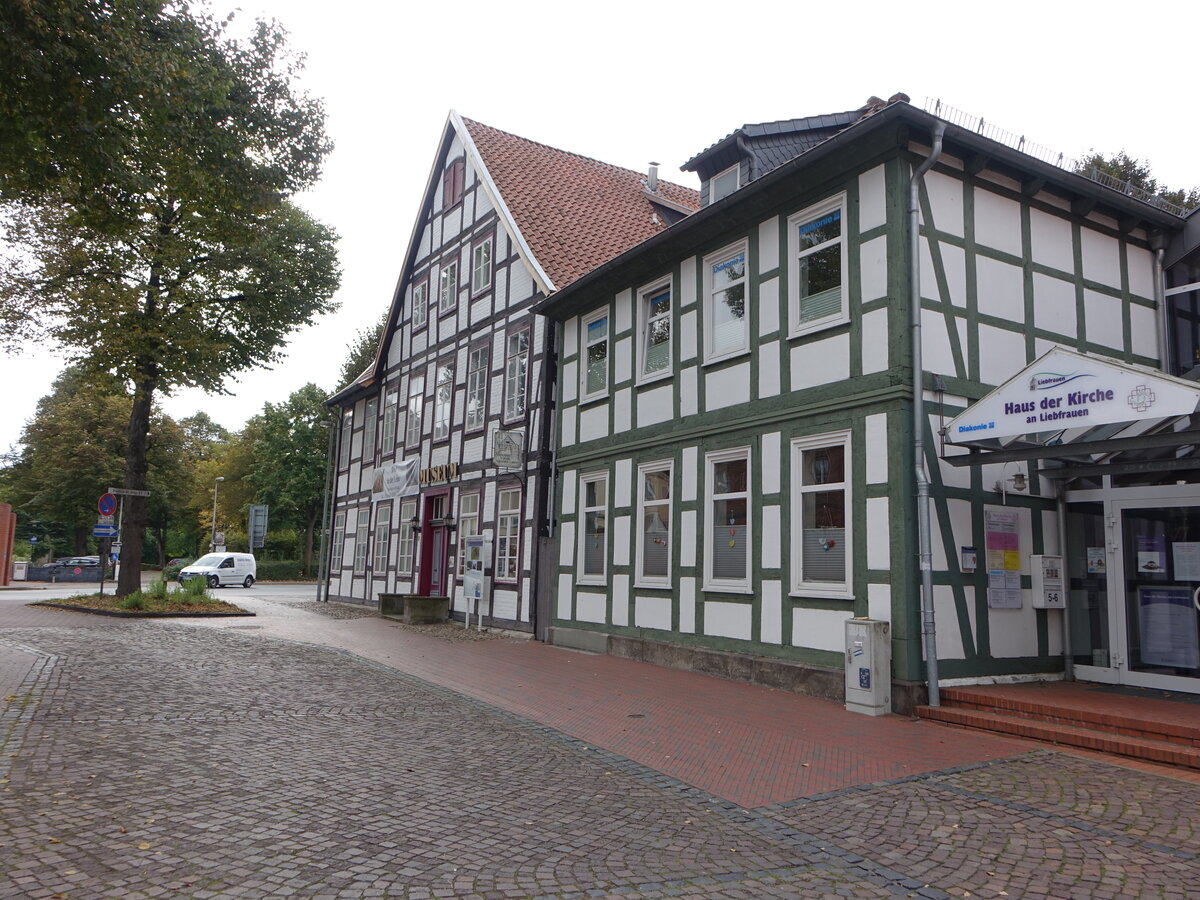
{"x": 222, "y": 569}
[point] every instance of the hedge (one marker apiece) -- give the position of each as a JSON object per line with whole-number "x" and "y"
{"x": 282, "y": 570}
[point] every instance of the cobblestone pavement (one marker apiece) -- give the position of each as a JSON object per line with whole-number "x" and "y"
{"x": 157, "y": 759}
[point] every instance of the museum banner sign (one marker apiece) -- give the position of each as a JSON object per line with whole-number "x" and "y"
{"x": 1068, "y": 390}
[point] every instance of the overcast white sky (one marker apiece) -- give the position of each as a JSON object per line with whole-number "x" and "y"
{"x": 628, "y": 82}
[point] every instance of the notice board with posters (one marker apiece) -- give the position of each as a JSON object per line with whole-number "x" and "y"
{"x": 1002, "y": 545}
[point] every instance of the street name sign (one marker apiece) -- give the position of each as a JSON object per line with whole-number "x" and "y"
{"x": 128, "y": 492}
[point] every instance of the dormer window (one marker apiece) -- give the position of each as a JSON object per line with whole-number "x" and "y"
{"x": 724, "y": 183}
{"x": 452, "y": 183}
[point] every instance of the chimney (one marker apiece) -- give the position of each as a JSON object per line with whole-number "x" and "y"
{"x": 652, "y": 178}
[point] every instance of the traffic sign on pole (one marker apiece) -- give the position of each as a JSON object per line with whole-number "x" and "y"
{"x": 106, "y": 505}
{"x": 104, "y": 531}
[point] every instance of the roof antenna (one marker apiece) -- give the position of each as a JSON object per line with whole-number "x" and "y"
{"x": 652, "y": 178}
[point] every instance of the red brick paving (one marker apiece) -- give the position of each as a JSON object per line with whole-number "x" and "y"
{"x": 751, "y": 745}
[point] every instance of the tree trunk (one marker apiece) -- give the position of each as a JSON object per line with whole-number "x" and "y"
{"x": 133, "y": 528}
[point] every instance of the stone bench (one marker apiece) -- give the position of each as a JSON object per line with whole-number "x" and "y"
{"x": 413, "y": 609}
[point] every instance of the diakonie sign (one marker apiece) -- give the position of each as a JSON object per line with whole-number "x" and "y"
{"x": 1064, "y": 389}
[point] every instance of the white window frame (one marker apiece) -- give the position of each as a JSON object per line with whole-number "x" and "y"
{"x": 815, "y": 442}
{"x": 837, "y": 204}
{"x": 443, "y": 401}
{"x": 641, "y": 579}
{"x": 485, "y": 249}
{"x": 420, "y": 304}
{"x": 416, "y": 410}
{"x": 724, "y": 255}
{"x": 512, "y": 555}
{"x": 408, "y": 538}
{"x": 582, "y": 575}
{"x": 468, "y": 523}
{"x": 736, "y": 168}
{"x": 585, "y": 323}
{"x": 448, "y": 287}
{"x": 388, "y": 438}
{"x": 477, "y": 384}
{"x": 647, "y": 319}
{"x": 711, "y": 460}
{"x": 370, "y": 425}
{"x": 383, "y": 533}
{"x": 514, "y": 392}
{"x": 338, "y": 547}
{"x": 361, "y": 537}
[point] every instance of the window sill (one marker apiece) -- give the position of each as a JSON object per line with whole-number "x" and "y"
{"x": 664, "y": 375}
{"x": 743, "y": 589}
{"x": 804, "y": 592}
{"x": 592, "y": 399}
{"x": 814, "y": 327}
{"x": 591, "y": 581}
{"x": 726, "y": 357}
{"x": 653, "y": 586}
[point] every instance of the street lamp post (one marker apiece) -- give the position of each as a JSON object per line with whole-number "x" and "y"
{"x": 212, "y": 544}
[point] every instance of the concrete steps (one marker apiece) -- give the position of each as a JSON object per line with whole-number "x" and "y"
{"x": 1151, "y": 738}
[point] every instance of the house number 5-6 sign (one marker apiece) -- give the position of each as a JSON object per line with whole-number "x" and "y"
{"x": 106, "y": 505}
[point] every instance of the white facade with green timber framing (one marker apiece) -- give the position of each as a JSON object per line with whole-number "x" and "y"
{"x": 735, "y": 449}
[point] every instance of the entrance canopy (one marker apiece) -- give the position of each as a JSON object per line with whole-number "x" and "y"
{"x": 1090, "y": 414}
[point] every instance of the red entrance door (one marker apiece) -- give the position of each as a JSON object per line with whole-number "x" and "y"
{"x": 435, "y": 545}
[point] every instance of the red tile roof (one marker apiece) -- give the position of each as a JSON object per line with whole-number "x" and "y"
{"x": 574, "y": 212}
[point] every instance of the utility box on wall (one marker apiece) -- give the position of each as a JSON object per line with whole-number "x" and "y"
{"x": 868, "y": 667}
{"x": 1046, "y": 579}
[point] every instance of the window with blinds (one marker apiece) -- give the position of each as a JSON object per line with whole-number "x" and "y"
{"x": 725, "y": 283}
{"x": 818, "y": 266}
{"x": 654, "y": 547}
{"x": 821, "y": 513}
{"x": 595, "y": 355}
{"x": 594, "y": 534}
{"x": 728, "y": 531}
{"x": 655, "y": 309}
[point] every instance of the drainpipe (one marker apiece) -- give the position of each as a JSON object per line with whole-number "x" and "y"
{"x": 1158, "y": 244}
{"x": 1068, "y": 659}
{"x": 753, "y": 160}
{"x": 925, "y": 545}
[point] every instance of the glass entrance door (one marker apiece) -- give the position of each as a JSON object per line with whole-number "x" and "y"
{"x": 1157, "y": 584}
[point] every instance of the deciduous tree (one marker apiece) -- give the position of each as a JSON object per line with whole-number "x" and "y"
{"x": 185, "y": 262}
{"x": 289, "y": 473}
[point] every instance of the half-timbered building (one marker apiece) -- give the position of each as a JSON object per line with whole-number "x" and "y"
{"x": 446, "y": 435}
{"x": 752, "y": 443}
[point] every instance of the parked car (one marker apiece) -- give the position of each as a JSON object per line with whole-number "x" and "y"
{"x": 222, "y": 569}
{"x": 71, "y": 562}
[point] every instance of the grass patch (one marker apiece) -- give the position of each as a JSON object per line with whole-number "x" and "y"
{"x": 192, "y": 597}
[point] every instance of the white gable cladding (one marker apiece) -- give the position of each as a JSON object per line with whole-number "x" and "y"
{"x": 476, "y": 322}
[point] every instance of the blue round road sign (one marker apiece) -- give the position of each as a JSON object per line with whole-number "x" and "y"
{"x": 107, "y": 504}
